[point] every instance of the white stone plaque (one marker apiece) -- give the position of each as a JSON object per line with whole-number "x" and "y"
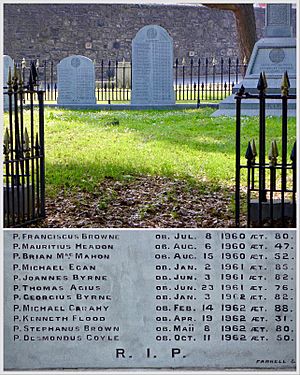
{"x": 76, "y": 81}
{"x": 152, "y": 67}
{"x": 274, "y": 61}
{"x": 7, "y": 63}
{"x": 196, "y": 299}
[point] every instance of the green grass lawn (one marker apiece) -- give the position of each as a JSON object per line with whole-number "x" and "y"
{"x": 83, "y": 147}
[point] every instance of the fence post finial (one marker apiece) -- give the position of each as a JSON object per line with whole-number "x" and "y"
{"x": 285, "y": 84}
{"x": 30, "y": 81}
{"x": 293, "y": 156}
{"x": 249, "y": 154}
{"x": 37, "y": 146}
{"x": 273, "y": 153}
{"x": 241, "y": 91}
{"x": 9, "y": 79}
{"x": 6, "y": 144}
{"x": 23, "y": 63}
{"x": 20, "y": 78}
{"x": 262, "y": 83}
{"x": 253, "y": 146}
{"x": 26, "y": 144}
{"x": 15, "y": 75}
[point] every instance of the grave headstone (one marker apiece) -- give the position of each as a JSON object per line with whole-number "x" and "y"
{"x": 7, "y": 63}
{"x": 76, "y": 81}
{"x": 274, "y": 54}
{"x": 123, "y": 75}
{"x": 152, "y": 67}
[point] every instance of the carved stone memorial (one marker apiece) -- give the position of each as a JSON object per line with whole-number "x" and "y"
{"x": 123, "y": 75}
{"x": 152, "y": 67}
{"x": 76, "y": 81}
{"x": 7, "y": 63}
{"x": 274, "y": 54}
{"x": 194, "y": 299}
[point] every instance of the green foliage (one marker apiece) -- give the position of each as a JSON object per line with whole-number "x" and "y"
{"x": 83, "y": 147}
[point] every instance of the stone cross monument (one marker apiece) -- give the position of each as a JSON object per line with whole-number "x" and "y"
{"x": 274, "y": 54}
{"x": 278, "y": 21}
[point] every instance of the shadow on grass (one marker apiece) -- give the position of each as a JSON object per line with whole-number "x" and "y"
{"x": 88, "y": 177}
{"x": 193, "y": 129}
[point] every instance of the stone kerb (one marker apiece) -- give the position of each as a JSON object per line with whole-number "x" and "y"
{"x": 152, "y": 67}
{"x": 7, "y": 63}
{"x": 76, "y": 81}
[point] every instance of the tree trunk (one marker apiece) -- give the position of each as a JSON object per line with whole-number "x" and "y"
{"x": 245, "y": 24}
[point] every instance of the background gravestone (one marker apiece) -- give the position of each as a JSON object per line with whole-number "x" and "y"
{"x": 76, "y": 81}
{"x": 7, "y": 62}
{"x": 152, "y": 67}
{"x": 274, "y": 54}
{"x": 123, "y": 75}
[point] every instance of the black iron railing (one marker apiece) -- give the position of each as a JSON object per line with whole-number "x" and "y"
{"x": 23, "y": 169}
{"x": 195, "y": 80}
{"x": 271, "y": 187}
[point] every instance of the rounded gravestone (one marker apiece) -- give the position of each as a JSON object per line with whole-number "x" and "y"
{"x": 7, "y": 63}
{"x": 152, "y": 67}
{"x": 76, "y": 81}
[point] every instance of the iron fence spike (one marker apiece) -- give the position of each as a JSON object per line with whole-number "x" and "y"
{"x": 15, "y": 77}
{"x": 6, "y": 142}
{"x": 30, "y": 81}
{"x": 23, "y": 63}
{"x": 265, "y": 79}
{"x": 20, "y": 78}
{"x": 37, "y": 146}
{"x": 249, "y": 153}
{"x": 253, "y": 146}
{"x": 26, "y": 144}
{"x": 33, "y": 72}
{"x": 261, "y": 85}
{"x": 9, "y": 79}
{"x": 275, "y": 148}
{"x": 285, "y": 84}
{"x": 15, "y": 71}
{"x": 241, "y": 91}
{"x": 273, "y": 153}
{"x": 293, "y": 156}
